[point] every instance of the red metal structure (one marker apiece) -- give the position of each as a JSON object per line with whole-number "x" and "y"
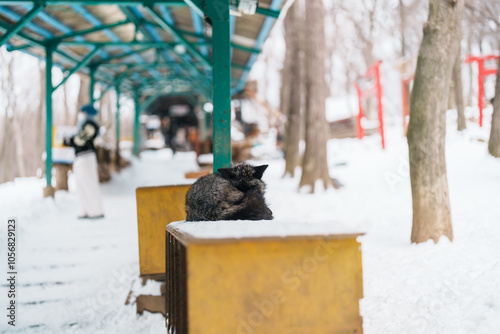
{"x": 373, "y": 73}
{"x": 405, "y": 88}
{"x": 406, "y": 67}
{"x": 482, "y": 73}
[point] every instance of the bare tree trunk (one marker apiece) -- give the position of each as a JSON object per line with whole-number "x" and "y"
{"x": 459, "y": 92}
{"x": 494, "y": 142}
{"x": 315, "y": 163}
{"x": 4, "y": 136}
{"x": 471, "y": 72}
{"x": 402, "y": 27}
{"x": 451, "y": 96}
{"x": 67, "y": 113}
{"x": 40, "y": 133}
{"x": 427, "y": 128}
{"x": 83, "y": 93}
{"x": 294, "y": 94}
{"x": 19, "y": 133}
{"x": 105, "y": 117}
{"x": 286, "y": 79}
{"x": 4, "y": 149}
{"x": 9, "y": 153}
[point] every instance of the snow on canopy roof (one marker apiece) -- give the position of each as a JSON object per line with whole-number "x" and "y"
{"x": 115, "y": 22}
{"x": 242, "y": 229}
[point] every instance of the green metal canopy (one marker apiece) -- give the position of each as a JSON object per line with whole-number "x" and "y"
{"x": 147, "y": 39}
{"x": 145, "y": 49}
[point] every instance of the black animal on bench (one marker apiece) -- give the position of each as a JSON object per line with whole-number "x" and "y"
{"x": 236, "y": 193}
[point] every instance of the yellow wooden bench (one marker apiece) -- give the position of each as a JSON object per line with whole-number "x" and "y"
{"x": 156, "y": 208}
{"x": 245, "y": 277}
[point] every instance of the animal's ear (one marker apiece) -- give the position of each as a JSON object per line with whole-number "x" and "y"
{"x": 227, "y": 173}
{"x": 259, "y": 171}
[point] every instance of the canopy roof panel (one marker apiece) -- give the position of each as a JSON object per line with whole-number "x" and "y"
{"x": 156, "y": 46}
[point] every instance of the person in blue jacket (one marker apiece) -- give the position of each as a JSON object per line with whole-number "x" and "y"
{"x": 85, "y": 165}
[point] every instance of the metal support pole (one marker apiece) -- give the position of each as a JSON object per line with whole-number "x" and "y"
{"x": 218, "y": 11}
{"x": 77, "y": 67}
{"x": 93, "y": 69}
{"x": 48, "y": 191}
{"x": 117, "y": 128}
{"x": 137, "y": 129}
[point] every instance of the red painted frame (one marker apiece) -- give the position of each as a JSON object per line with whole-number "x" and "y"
{"x": 372, "y": 72}
{"x": 482, "y": 73}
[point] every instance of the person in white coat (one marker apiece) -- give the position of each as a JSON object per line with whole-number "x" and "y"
{"x": 85, "y": 165}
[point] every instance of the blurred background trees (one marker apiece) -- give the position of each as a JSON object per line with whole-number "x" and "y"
{"x": 292, "y": 90}
{"x": 315, "y": 162}
{"x": 356, "y": 34}
{"x": 22, "y": 113}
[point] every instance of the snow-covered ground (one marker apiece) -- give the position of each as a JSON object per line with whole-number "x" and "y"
{"x": 74, "y": 276}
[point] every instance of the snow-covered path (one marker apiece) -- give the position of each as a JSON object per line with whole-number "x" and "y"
{"x": 75, "y": 275}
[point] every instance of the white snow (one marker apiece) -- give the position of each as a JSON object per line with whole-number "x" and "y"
{"x": 252, "y": 229}
{"x": 74, "y": 275}
{"x": 338, "y": 108}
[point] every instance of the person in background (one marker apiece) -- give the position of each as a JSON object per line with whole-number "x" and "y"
{"x": 85, "y": 165}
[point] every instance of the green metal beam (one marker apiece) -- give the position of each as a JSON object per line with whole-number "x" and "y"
{"x": 36, "y": 43}
{"x": 30, "y": 40}
{"x": 268, "y": 12}
{"x": 105, "y": 76}
{"x": 21, "y": 23}
{"x": 197, "y": 74}
{"x": 116, "y": 81}
{"x": 209, "y": 40}
{"x": 188, "y": 66}
{"x": 129, "y": 43}
{"x": 218, "y": 11}
{"x": 245, "y": 48}
{"x": 138, "y": 27}
{"x": 134, "y": 66}
{"x": 172, "y": 31}
{"x": 141, "y": 64}
{"x": 48, "y": 109}
{"x": 137, "y": 125}
{"x": 96, "y": 2}
{"x": 150, "y": 99}
{"x": 167, "y": 81}
{"x": 124, "y": 55}
{"x": 239, "y": 67}
{"x": 197, "y": 6}
{"x": 183, "y": 32}
{"x": 75, "y": 69}
{"x": 89, "y": 31}
{"x": 19, "y": 48}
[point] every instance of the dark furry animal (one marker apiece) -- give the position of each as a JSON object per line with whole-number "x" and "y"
{"x": 236, "y": 193}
